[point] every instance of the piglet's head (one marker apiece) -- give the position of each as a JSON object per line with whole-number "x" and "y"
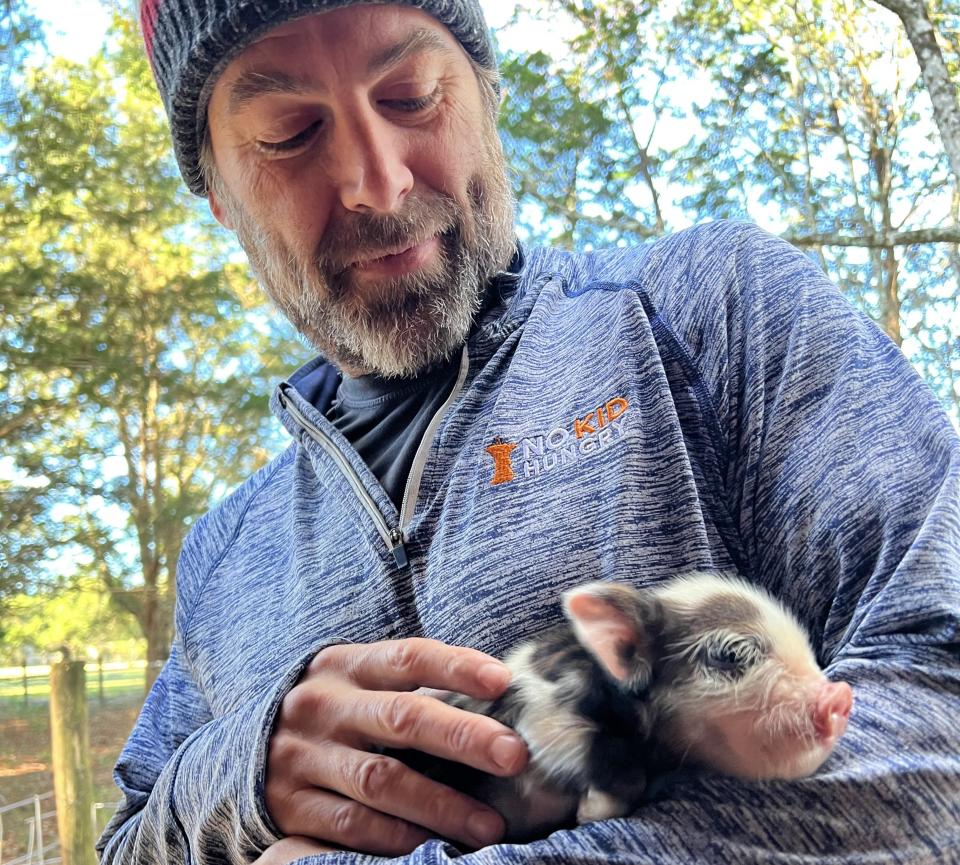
{"x": 728, "y": 671}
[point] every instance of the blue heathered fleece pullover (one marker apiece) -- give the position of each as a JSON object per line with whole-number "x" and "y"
{"x": 705, "y": 402}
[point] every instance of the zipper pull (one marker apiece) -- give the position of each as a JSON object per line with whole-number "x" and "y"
{"x": 398, "y": 549}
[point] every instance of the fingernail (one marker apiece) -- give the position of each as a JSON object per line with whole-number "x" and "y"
{"x": 496, "y": 677}
{"x": 505, "y": 751}
{"x": 485, "y": 827}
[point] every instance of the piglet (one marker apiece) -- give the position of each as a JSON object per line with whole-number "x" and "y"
{"x": 701, "y": 669}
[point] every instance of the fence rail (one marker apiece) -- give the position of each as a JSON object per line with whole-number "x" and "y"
{"x": 33, "y": 681}
{"x": 40, "y": 846}
{"x": 37, "y": 850}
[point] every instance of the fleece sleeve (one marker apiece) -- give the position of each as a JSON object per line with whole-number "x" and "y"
{"x": 193, "y": 785}
{"x": 841, "y": 478}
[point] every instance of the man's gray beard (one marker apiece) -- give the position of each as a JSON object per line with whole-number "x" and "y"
{"x": 406, "y": 324}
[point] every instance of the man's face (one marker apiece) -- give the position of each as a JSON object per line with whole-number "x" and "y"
{"x": 359, "y": 164}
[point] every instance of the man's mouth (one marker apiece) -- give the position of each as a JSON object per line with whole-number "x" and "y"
{"x": 396, "y": 261}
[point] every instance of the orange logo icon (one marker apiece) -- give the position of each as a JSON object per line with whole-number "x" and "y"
{"x": 502, "y": 465}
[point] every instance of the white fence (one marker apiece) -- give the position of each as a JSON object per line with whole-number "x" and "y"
{"x": 34, "y": 836}
{"x": 31, "y": 680}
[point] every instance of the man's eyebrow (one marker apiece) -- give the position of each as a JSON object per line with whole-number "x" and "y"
{"x": 252, "y": 83}
{"x": 417, "y": 41}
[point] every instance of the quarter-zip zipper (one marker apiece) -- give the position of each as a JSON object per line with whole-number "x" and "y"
{"x": 412, "y": 488}
{"x": 392, "y": 535}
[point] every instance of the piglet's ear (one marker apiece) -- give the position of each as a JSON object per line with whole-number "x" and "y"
{"x": 612, "y": 622}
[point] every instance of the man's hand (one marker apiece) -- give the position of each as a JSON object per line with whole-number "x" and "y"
{"x": 324, "y": 783}
{"x": 291, "y": 848}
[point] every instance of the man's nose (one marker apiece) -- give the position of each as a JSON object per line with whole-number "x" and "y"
{"x": 369, "y": 166}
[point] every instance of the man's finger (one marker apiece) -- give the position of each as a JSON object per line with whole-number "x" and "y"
{"x": 289, "y": 849}
{"x": 400, "y": 719}
{"x": 403, "y": 665}
{"x": 389, "y": 787}
{"x": 336, "y": 820}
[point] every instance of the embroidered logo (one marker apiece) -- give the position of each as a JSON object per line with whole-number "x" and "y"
{"x": 563, "y": 446}
{"x": 502, "y": 467}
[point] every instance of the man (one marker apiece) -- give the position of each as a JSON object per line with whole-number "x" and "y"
{"x": 488, "y": 425}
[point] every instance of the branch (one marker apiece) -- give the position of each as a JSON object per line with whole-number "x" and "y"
{"x": 643, "y": 154}
{"x": 878, "y": 240}
{"x": 556, "y": 207}
{"x": 18, "y": 421}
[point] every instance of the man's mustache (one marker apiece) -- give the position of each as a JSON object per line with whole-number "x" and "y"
{"x": 358, "y": 237}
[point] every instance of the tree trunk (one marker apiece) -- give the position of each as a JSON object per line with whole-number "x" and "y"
{"x": 882, "y": 159}
{"x": 943, "y": 92}
{"x": 157, "y": 631}
{"x": 890, "y": 296}
{"x": 72, "y": 776}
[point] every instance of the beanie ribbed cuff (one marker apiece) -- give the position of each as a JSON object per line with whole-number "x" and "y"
{"x": 190, "y": 42}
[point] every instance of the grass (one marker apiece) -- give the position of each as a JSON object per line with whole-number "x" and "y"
{"x": 25, "y": 762}
{"x": 115, "y": 683}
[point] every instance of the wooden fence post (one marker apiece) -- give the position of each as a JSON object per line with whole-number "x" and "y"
{"x": 72, "y": 775}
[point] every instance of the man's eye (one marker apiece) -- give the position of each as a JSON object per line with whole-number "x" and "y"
{"x": 291, "y": 143}
{"x": 413, "y": 105}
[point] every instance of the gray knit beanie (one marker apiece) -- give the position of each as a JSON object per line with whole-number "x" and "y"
{"x": 190, "y": 42}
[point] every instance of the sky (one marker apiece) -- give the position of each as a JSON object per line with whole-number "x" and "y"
{"x": 80, "y": 33}
{"x": 76, "y": 35}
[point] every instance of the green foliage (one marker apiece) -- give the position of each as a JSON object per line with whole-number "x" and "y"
{"x": 79, "y": 618}
{"x": 945, "y": 17}
{"x": 578, "y": 127}
{"x": 19, "y": 31}
{"x": 134, "y": 371}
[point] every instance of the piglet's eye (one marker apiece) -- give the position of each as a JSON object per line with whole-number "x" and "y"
{"x": 723, "y": 658}
{"x": 731, "y": 657}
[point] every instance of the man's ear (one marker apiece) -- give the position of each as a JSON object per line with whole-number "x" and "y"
{"x": 616, "y": 624}
{"x": 217, "y": 209}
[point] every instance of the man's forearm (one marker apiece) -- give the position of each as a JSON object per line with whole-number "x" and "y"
{"x": 193, "y": 791}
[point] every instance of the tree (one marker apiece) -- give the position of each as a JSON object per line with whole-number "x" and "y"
{"x": 843, "y": 150}
{"x": 581, "y": 130}
{"x": 19, "y": 502}
{"x": 806, "y": 117}
{"x": 76, "y": 619}
{"x": 942, "y": 90}
{"x": 19, "y": 32}
{"x": 136, "y": 383}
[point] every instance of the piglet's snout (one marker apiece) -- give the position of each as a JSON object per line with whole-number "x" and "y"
{"x": 832, "y": 710}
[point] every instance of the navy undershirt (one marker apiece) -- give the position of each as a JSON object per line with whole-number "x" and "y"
{"x": 386, "y": 419}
